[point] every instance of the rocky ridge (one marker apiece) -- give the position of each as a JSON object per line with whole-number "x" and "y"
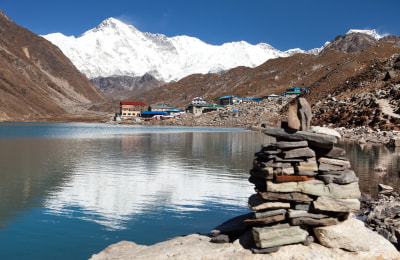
{"x": 37, "y": 81}
{"x": 119, "y": 87}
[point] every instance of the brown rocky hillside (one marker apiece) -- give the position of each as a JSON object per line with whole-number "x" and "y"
{"x": 319, "y": 73}
{"x": 37, "y": 82}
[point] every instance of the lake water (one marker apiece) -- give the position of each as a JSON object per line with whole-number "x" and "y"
{"x": 68, "y": 190}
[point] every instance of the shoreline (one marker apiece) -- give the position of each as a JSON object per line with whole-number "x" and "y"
{"x": 361, "y": 135}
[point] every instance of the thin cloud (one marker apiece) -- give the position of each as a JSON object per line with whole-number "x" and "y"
{"x": 128, "y": 20}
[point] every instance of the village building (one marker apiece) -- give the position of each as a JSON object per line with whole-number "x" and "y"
{"x": 198, "y": 100}
{"x": 228, "y": 100}
{"x": 250, "y": 100}
{"x": 130, "y": 109}
{"x": 199, "y": 109}
{"x": 155, "y": 108}
{"x": 272, "y": 96}
{"x": 293, "y": 91}
{"x": 157, "y": 115}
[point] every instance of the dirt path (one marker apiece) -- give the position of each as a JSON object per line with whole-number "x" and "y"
{"x": 387, "y": 109}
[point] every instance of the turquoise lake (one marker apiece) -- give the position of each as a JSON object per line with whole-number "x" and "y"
{"x": 68, "y": 190}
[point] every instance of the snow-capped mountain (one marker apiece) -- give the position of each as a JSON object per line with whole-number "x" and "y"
{"x": 115, "y": 48}
{"x": 371, "y": 33}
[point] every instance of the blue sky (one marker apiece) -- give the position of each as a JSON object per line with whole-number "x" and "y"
{"x": 284, "y": 24}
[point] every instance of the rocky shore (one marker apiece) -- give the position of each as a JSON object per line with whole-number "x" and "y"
{"x": 382, "y": 213}
{"x": 267, "y": 113}
{"x": 196, "y": 246}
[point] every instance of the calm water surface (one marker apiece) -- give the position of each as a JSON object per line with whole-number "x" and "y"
{"x": 69, "y": 190}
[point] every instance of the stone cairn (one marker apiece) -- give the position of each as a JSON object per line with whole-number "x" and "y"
{"x": 302, "y": 184}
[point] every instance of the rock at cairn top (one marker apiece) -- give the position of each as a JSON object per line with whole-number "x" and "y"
{"x": 299, "y": 128}
{"x": 300, "y": 118}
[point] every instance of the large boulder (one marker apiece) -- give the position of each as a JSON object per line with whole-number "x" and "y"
{"x": 199, "y": 247}
{"x": 351, "y": 235}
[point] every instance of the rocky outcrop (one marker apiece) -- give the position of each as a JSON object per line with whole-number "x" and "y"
{"x": 196, "y": 246}
{"x": 352, "y": 42}
{"x": 382, "y": 213}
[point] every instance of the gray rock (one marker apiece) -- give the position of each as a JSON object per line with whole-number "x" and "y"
{"x": 302, "y": 213}
{"x": 278, "y": 235}
{"x": 305, "y": 207}
{"x": 265, "y": 250}
{"x": 293, "y": 119}
{"x": 220, "y": 239}
{"x": 335, "y": 152}
{"x": 313, "y": 222}
{"x": 310, "y": 165}
{"x": 314, "y": 140}
{"x": 264, "y": 214}
{"x": 292, "y": 160}
{"x": 339, "y": 177}
{"x": 304, "y": 114}
{"x": 384, "y": 187}
{"x": 256, "y": 203}
{"x": 344, "y": 164}
{"x": 307, "y": 173}
{"x": 337, "y": 205}
{"x": 309, "y": 240}
{"x": 288, "y": 171}
{"x": 317, "y": 188}
{"x": 299, "y": 153}
{"x": 349, "y": 235}
{"x": 265, "y": 221}
{"x": 292, "y": 145}
{"x": 279, "y": 196}
{"x": 325, "y": 131}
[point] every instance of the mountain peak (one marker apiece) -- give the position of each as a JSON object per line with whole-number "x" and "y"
{"x": 110, "y": 22}
{"x": 113, "y": 24}
{"x": 371, "y": 33}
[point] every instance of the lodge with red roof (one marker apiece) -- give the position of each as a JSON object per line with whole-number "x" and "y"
{"x": 131, "y": 109}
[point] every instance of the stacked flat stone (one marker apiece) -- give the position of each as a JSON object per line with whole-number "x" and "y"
{"x": 302, "y": 182}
